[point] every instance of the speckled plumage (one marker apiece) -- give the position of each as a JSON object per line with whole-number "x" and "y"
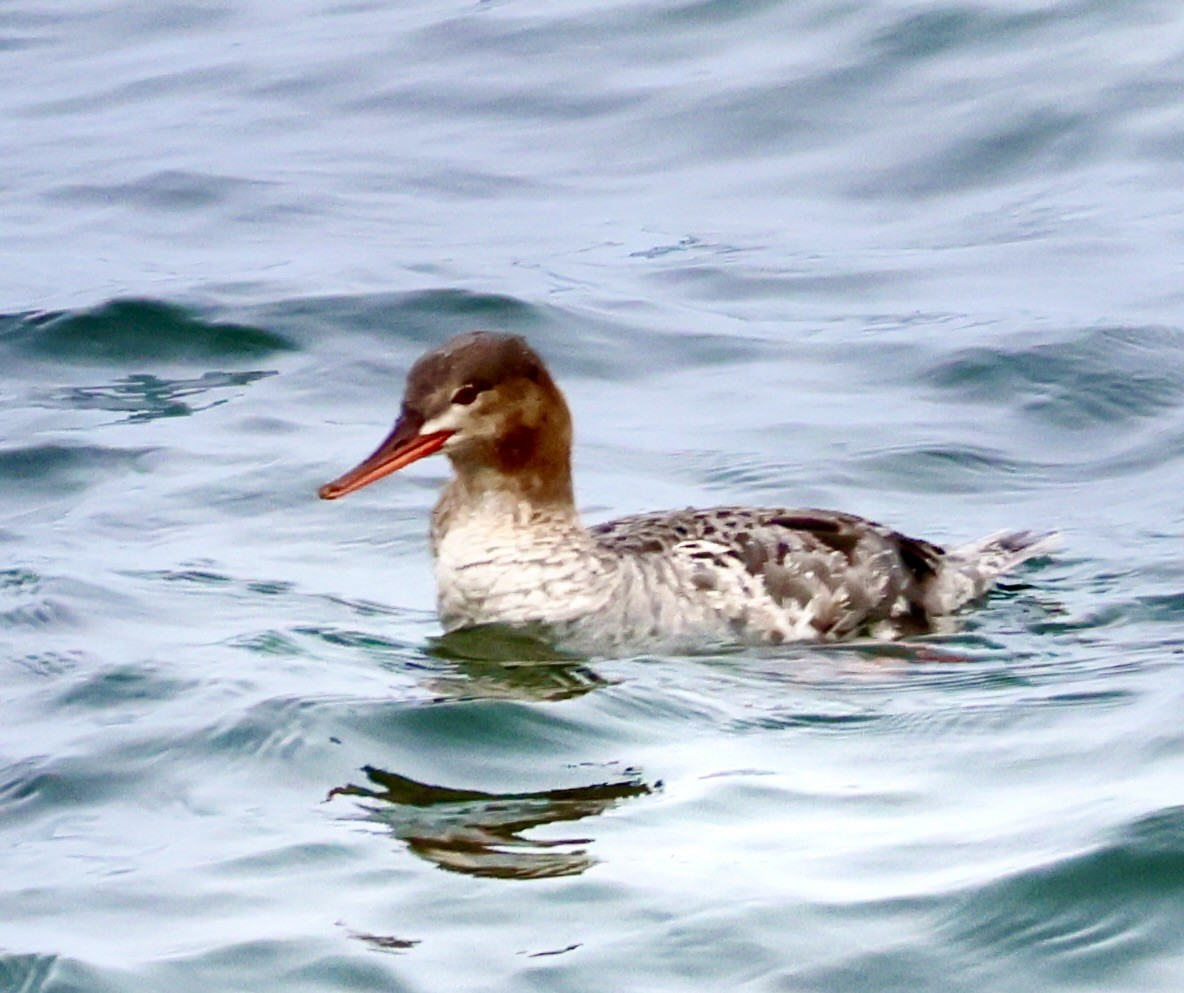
{"x": 510, "y": 547}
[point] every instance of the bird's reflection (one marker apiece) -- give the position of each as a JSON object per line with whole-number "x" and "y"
{"x": 496, "y": 662}
{"x": 481, "y": 834}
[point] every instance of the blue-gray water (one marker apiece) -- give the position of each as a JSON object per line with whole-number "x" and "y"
{"x": 920, "y": 261}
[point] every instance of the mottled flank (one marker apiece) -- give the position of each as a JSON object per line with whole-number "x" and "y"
{"x": 510, "y": 547}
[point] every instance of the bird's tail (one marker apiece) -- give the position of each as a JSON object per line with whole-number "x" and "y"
{"x": 968, "y": 571}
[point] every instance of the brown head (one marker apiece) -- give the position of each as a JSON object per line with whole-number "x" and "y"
{"x": 487, "y": 401}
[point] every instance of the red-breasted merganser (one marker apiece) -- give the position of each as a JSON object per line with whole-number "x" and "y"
{"x": 510, "y": 547}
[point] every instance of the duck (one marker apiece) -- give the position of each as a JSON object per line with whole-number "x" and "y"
{"x": 510, "y": 548}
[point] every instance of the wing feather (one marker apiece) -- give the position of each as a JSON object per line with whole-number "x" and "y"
{"x": 845, "y": 571}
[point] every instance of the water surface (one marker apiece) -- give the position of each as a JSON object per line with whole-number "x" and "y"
{"x": 912, "y": 260}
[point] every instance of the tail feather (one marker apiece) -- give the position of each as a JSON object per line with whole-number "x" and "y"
{"x": 970, "y": 570}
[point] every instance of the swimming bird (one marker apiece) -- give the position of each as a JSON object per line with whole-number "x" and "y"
{"x": 510, "y": 548}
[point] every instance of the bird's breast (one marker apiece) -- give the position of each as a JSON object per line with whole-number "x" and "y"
{"x": 491, "y": 574}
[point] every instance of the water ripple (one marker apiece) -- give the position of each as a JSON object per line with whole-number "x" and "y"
{"x": 145, "y": 397}
{"x": 137, "y": 331}
{"x": 1086, "y": 915}
{"x": 57, "y": 467}
{"x": 1099, "y": 378}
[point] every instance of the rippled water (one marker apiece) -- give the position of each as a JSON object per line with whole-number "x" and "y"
{"x": 913, "y": 260}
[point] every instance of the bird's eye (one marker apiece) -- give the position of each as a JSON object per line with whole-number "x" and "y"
{"x": 466, "y": 394}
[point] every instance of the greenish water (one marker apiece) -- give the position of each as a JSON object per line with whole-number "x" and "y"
{"x": 915, "y": 261}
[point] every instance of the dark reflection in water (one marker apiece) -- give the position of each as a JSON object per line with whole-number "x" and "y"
{"x": 498, "y": 643}
{"x": 383, "y": 942}
{"x": 494, "y": 662}
{"x": 144, "y": 397}
{"x": 516, "y": 681}
{"x": 480, "y": 834}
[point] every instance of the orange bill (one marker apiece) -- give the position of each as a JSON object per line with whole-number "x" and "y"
{"x": 401, "y": 447}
